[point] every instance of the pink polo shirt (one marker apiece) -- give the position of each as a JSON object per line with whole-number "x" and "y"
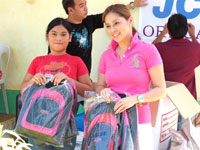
{"x": 130, "y": 74}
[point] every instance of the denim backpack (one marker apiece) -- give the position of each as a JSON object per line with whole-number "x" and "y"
{"x": 47, "y": 113}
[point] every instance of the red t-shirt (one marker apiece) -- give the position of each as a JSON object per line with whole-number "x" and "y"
{"x": 72, "y": 66}
{"x": 180, "y": 58}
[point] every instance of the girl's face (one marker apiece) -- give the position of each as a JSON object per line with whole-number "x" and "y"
{"x": 118, "y": 28}
{"x": 58, "y": 38}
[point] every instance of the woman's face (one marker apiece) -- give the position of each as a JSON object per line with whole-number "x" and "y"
{"x": 118, "y": 27}
{"x": 58, "y": 38}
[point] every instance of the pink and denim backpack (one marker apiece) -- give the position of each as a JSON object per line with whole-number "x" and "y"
{"x": 100, "y": 128}
{"x": 47, "y": 113}
{"x": 105, "y": 130}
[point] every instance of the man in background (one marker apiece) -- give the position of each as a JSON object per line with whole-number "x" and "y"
{"x": 84, "y": 26}
{"x": 180, "y": 56}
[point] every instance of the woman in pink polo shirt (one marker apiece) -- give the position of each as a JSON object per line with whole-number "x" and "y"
{"x": 129, "y": 66}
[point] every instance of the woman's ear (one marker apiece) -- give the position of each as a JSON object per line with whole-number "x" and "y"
{"x": 130, "y": 20}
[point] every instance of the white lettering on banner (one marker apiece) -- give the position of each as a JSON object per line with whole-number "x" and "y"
{"x": 168, "y": 121}
{"x": 154, "y": 16}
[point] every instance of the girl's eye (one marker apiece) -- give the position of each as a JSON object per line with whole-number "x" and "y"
{"x": 63, "y": 34}
{"x": 116, "y": 23}
{"x": 107, "y": 26}
{"x": 54, "y": 34}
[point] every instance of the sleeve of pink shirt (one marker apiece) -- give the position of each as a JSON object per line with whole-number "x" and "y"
{"x": 153, "y": 57}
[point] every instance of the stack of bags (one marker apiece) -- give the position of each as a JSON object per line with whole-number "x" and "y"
{"x": 187, "y": 138}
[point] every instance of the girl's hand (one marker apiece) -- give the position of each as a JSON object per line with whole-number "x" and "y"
{"x": 125, "y": 103}
{"x": 59, "y": 77}
{"x": 39, "y": 79}
{"x": 105, "y": 93}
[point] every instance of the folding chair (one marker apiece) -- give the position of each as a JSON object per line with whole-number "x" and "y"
{"x": 4, "y": 51}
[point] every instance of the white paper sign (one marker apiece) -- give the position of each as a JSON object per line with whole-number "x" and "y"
{"x": 154, "y": 16}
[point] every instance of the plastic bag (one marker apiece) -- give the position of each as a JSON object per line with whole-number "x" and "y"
{"x": 188, "y": 138}
{"x": 100, "y": 127}
{"x": 104, "y": 129}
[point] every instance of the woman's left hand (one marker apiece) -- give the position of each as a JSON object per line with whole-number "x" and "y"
{"x": 59, "y": 77}
{"x": 124, "y": 104}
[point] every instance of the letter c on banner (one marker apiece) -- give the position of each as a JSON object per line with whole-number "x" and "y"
{"x": 189, "y": 15}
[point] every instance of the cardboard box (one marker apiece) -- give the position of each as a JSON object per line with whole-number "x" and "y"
{"x": 197, "y": 79}
{"x": 165, "y": 113}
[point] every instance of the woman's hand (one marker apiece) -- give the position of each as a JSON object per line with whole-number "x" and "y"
{"x": 59, "y": 77}
{"x": 105, "y": 93}
{"x": 125, "y": 103}
{"x": 39, "y": 79}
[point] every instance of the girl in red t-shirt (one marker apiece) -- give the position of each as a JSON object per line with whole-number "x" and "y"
{"x": 60, "y": 65}
{"x": 57, "y": 63}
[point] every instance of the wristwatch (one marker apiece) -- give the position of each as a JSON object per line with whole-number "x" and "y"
{"x": 140, "y": 99}
{"x": 132, "y": 5}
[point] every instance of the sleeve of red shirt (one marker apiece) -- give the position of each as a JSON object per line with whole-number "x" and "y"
{"x": 32, "y": 67}
{"x": 82, "y": 69}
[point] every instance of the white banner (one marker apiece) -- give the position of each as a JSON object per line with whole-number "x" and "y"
{"x": 154, "y": 16}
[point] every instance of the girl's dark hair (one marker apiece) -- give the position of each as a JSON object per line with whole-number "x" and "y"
{"x": 59, "y": 21}
{"x": 119, "y": 9}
